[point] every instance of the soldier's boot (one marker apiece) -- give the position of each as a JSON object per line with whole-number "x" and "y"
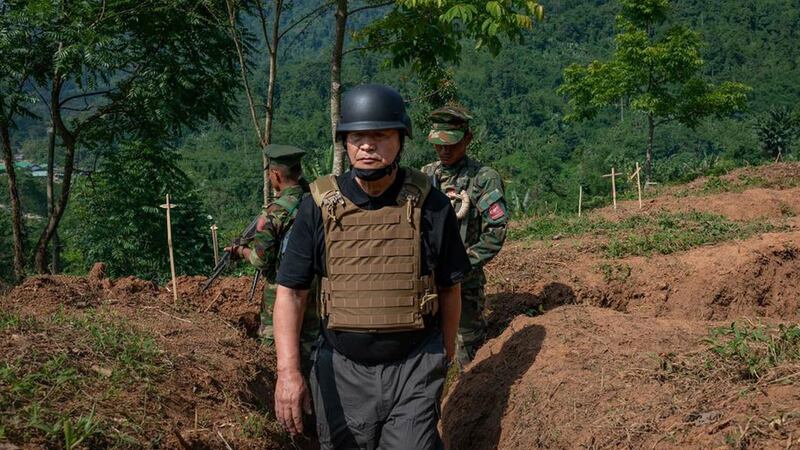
{"x": 472, "y": 328}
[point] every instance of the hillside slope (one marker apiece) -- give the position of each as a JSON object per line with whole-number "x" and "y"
{"x": 669, "y": 327}
{"x": 660, "y": 365}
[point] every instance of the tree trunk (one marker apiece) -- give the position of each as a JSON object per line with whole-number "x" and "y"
{"x": 336, "y": 83}
{"x": 51, "y": 150}
{"x": 16, "y": 210}
{"x": 648, "y": 166}
{"x": 268, "y": 117}
{"x": 69, "y": 161}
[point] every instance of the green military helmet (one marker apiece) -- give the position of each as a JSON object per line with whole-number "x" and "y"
{"x": 285, "y": 155}
{"x": 449, "y": 124}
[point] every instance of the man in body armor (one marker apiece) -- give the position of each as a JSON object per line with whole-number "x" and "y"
{"x": 476, "y": 192}
{"x": 272, "y": 233}
{"x": 386, "y": 246}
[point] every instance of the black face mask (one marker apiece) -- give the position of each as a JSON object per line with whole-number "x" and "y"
{"x": 375, "y": 174}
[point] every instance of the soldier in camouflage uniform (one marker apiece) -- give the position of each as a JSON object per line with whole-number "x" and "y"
{"x": 272, "y": 234}
{"x": 476, "y": 192}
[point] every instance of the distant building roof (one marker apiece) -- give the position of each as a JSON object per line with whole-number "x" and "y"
{"x": 23, "y": 164}
{"x": 39, "y": 173}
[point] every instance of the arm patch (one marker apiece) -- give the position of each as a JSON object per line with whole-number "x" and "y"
{"x": 489, "y": 199}
{"x": 496, "y": 211}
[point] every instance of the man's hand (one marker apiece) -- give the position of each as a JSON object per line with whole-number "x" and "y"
{"x": 292, "y": 399}
{"x": 238, "y": 252}
{"x": 261, "y": 225}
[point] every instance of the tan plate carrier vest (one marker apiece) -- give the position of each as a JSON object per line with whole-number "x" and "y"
{"x": 374, "y": 282}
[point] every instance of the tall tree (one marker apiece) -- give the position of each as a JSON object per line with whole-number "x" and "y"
{"x": 426, "y": 35}
{"x": 123, "y": 68}
{"x": 656, "y": 70}
{"x": 20, "y": 59}
{"x": 272, "y": 31}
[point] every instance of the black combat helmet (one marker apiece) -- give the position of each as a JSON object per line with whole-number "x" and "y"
{"x": 373, "y": 107}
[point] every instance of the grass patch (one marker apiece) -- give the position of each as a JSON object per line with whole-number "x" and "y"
{"x": 615, "y": 272}
{"x": 644, "y": 235}
{"x": 670, "y": 233}
{"x": 550, "y": 226}
{"x": 740, "y": 352}
{"x": 50, "y": 393}
{"x": 753, "y": 350}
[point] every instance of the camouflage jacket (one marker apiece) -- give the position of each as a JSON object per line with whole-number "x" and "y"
{"x": 268, "y": 245}
{"x": 483, "y": 229}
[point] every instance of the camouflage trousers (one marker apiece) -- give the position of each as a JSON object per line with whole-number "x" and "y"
{"x": 472, "y": 328}
{"x": 308, "y": 333}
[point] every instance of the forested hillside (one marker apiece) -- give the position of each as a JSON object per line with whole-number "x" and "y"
{"x": 518, "y": 112}
{"x": 519, "y": 116}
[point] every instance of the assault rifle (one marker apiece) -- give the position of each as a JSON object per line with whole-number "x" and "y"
{"x": 224, "y": 262}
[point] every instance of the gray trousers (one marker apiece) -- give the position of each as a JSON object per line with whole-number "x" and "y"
{"x": 384, "y": 406}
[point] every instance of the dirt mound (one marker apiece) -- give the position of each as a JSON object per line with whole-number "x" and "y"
{"x": 757, "y": 203}
{"x": 226, "y": 297}
{"x": 643, "y": 371}
{"x": 773, "y": 176}
{"x": 755, "y": 278}
{"x": 582, "y": 377}
{"x": 140, "y": 367}
{"x": 49, "y": 293}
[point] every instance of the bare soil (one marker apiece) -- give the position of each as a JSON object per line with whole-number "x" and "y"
{"x": 218, "y": 380}
{"x": 585, "y": 351}
{"x": 620, "y": 358}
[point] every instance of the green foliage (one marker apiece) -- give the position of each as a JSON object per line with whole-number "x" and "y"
{"x": 519, "y": 115}
{"x": 643, "y": 235}
{"x": 657, "y": 73}
{"x": 755, "y": 349}
{"x": 777, "y": 129}
{"x": 406, "y": 32}
{"x": 116, "y": 216}
{"x": 615, "y": 272}
{"x": 670, "y": 233}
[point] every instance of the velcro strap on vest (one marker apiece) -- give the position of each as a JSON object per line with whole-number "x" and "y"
{"x": 364, "y": 269}
{"x": 370, "y": 220}
{"x": 388, "y": 250}
{"x": 419, "y": 286}
{"x": 375, "y": 302}
{"x": 358, "y": 235}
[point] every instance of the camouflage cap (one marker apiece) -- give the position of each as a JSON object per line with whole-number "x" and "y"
{"x": 284, "y": 155}
{"x": 449, "y": 124}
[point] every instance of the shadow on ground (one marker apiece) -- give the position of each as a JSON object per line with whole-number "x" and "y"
{"x": 505, "y": 306}
{"x": 474, "y": 410}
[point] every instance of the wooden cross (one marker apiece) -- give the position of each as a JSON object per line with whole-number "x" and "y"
{"x": 168, "y": 206}
{"x": 215, "y": 243}
{"x": 613, "y": 176}
{"x": 638, "y": 182}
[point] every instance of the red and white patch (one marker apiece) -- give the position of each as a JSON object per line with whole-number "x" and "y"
{"x": 496, "y": 211}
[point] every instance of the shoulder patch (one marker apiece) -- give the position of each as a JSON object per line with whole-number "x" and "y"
{"x": 489, "y": 199}
{"x": 496, "y": 211}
